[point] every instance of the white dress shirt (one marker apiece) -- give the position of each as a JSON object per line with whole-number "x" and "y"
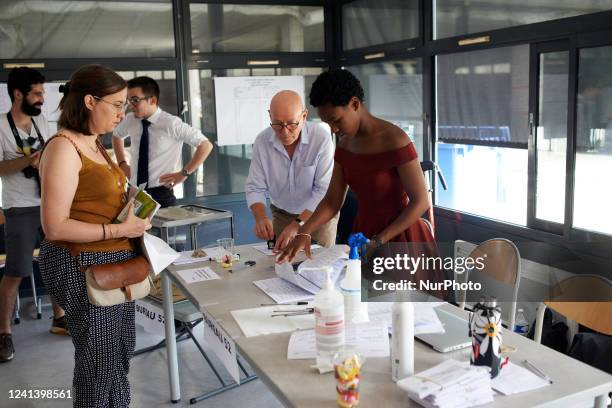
{"x": 167, "y": 133}
{"x": 17, "y": 190}
{"x": 293, "y": 184}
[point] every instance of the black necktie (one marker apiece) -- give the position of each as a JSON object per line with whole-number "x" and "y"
{"x": 143, "y": 155}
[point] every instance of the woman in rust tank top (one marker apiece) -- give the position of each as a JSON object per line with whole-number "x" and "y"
{"x": 82, "y": 193}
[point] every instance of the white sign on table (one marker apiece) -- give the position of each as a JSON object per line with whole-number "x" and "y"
{"x": 221, "y": 344}
{"x": 198, "y": 275}
{"x": 151, "y": 318}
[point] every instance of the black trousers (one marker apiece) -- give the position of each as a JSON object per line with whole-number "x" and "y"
{"x": 163, "y": 195}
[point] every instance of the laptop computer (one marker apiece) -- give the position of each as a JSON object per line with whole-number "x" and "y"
{"x": 455, "y": 336}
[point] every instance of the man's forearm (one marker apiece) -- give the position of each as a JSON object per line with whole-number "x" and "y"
{"x": 305, "y": 215}
{"x": 201, "y": 153}
{"x": 14, "y": 166}
{"x": 119, "y": 149}
{"x": 259, "y": 211}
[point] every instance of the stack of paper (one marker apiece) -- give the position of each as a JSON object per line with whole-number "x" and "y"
{"x": 310, "y": 274}
{"x": 513, "y": 379}
{"x": 451, "y": 384}
{"x": 300, "y": 283}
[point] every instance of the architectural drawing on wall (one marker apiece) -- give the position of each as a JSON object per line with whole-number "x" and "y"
{"x": 242, "y": 105}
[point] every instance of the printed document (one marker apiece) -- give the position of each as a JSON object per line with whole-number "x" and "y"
{"x": 198, "y": 275}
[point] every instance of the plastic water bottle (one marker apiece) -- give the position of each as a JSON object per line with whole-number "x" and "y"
{"x": 355, "y": 310}
{"x": 521, "y": 325}
{"x": 402, "y": 340}
{"x": 329, "y": 323}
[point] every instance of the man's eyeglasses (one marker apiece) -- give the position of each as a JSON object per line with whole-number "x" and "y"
{"x": 289, "y": 126}
{"x": 120, "y": 107}
{"x": 135, "y": 100}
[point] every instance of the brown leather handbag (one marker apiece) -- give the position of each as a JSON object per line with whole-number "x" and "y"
{"x": 117, "y": 282}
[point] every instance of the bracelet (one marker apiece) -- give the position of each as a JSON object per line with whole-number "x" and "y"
{"x": 103, "y": 232}
{"x": 121, "y": 162}
{"x": 305, "y": 234}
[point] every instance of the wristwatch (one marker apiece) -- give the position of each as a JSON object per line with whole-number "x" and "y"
{"x": 184, "y": 172}
{"x": 299, "y": 221}
{"x": 377, "y": 241}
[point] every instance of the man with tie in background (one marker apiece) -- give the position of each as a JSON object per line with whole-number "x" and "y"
{"x": 157, "y": 139}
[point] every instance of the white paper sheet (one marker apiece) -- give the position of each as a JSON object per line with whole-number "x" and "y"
{"x": 198, "y": 275}
{"x": 186, "y": 257}
{"x": 216, "y": 252}
{"x": 282, "y": 291}
{"x": 312, "y": 280}
{"x": 370, "y": 338}
{"x": 513, "y": 379}
{"x": 158, "y": 252}
{"x": 426, "y": 319}
{"x": 258, "y": 321}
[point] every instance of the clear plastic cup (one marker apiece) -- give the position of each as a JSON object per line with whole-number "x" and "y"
{"x": 226, "y": 244}
{"x": 347, "y": 372}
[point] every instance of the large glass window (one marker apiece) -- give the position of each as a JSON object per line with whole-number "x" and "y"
{"x": 85, "y": 29}
{"x": 227, "y": 167}
{"x": 593, "y": 141}
{"x": 459, "y": 17}
{"x": 253, "y": 28}
{"x": 482, "y": 128}
{"x": 373, "y": 22}
{"x": 394, "y": 92}
{"x": 551, "y": 136}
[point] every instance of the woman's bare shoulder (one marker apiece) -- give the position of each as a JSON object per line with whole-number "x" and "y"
{"x": 61, "y": 147}
{"x": 394, "y": 136}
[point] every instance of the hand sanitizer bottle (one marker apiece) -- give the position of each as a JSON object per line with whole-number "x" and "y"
{"x": 402, "y": 340}
{"x": 355, "y": 310}
{"x": 329, "y": 323}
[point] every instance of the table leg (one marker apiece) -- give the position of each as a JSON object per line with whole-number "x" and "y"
{"x": 163, "y": 232}
{"x": 194, "y": 236}
{"x": 173, "y": 374}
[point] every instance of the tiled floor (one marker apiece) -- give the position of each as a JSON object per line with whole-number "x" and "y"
{"x": 45, "y": 361}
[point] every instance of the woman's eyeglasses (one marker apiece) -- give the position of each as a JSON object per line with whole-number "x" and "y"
{"x": 119, "y": 107}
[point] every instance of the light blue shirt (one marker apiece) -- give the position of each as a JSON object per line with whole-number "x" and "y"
{"x": 294, "y": 184}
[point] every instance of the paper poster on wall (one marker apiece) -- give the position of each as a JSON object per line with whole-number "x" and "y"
{"x": 221, "y": 344}
{"x": 52, "y": 99}
{"x": 242, "y": 105}
{"x": 49, "y": 108}
{"x": 5, "y": 101}
{"x": 396, "y": 97}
